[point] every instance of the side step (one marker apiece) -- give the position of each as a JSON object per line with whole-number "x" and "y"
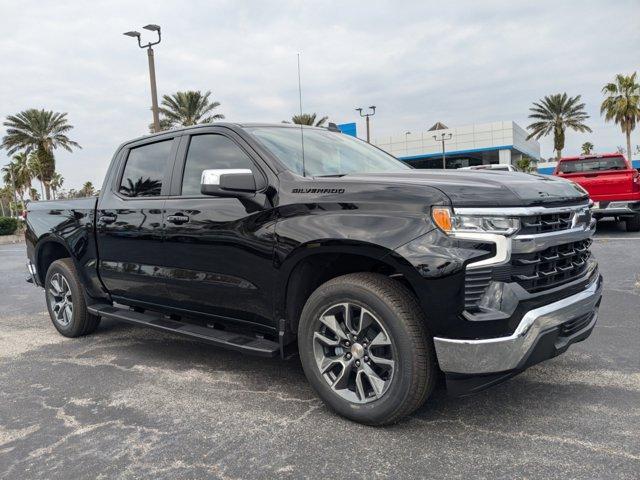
{"x": 221, "y": 338}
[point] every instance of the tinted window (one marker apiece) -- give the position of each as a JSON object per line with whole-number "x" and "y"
{"x": 210, "y": 152}
{"x": 145, "y": 170}
{"x": 325, "y": 152}
{"x": 593, "y": 165}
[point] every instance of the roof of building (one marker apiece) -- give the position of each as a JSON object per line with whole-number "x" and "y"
{"x": 438, "y": 126}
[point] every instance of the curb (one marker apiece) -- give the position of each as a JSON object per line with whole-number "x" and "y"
{"x": 10, "y": 239}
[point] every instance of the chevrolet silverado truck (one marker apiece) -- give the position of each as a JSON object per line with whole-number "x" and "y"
{"x": 277, "y": 239}
{"x": 612, "y": 183}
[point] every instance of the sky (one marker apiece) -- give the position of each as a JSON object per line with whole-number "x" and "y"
{"x": 419, "y": 62}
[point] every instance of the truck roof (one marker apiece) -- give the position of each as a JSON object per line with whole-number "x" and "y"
{"x": 599, "y": 155}
{"x": 225, "y": 124}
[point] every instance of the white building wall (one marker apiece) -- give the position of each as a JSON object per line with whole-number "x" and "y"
{"x": 469, "y": 137}
{"x": 520, "y": 142}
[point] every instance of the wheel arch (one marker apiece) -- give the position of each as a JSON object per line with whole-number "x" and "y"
{"x": 315, "y": 263}
{"x": 48, "y": 250}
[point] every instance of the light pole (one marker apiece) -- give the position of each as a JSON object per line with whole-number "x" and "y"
{"x": 406, "y": 142}
{"x": 443, "y": 138}
{"x": 367, "y": 115}
{"x": 152, "y": 70}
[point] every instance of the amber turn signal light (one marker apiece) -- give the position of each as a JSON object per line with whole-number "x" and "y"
{"x": 442, "y": 218}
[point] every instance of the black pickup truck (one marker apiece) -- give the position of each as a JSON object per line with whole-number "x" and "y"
{"x": 269, "y": 239}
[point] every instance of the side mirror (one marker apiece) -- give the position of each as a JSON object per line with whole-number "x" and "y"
{"x": 228, "y": 182}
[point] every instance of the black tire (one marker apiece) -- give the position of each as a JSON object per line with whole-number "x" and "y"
{"x": 79, "y": 322}
{"x": 633, "y": 224}
{"x": 398, "y": 312}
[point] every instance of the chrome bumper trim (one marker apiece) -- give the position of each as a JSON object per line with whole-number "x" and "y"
{"x": 517, "y": 211}
{"x": 542, "y": 241}
{"x": 618, "y": 208}
{"x": 502, "y": 354}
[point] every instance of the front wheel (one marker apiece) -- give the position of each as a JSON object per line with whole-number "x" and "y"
{"x": 365, "y": 349}
{"x": 65, "y": 301}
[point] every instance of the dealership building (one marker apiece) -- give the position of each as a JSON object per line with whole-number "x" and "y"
{"x": 479, "y": 144}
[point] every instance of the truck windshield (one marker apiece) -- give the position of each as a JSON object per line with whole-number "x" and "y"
{"x": 592, "y": 165}
{"x": 325, "y": 153}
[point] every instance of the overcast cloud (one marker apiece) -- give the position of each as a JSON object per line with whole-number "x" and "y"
{"x": 419, "y": 62}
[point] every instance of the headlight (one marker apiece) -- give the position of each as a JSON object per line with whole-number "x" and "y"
{"x": 449, "y": 222}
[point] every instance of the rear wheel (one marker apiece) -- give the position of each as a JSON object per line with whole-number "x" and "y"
{"x": 633, "y": 223}
{"x": 65, "y": 300}
{"x": 365, "y": 349}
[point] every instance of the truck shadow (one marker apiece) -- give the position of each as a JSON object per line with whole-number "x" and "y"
{"x": 531, "y": 397}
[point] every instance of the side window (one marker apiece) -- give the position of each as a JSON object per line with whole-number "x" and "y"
{"x": 211, "y": 152}
{"x": 145, "y": 169}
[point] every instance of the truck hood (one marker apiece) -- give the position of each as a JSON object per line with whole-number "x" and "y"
{"x": 483, "y": 187}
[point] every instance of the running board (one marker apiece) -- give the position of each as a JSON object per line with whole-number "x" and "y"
{"x": 221, "y": 338}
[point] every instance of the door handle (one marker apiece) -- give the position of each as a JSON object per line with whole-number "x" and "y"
{"x": 178, "y": 219}
{"x": 107, "y": 218}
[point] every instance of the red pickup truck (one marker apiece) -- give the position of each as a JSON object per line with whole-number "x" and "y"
{"x": 613, "y": 185}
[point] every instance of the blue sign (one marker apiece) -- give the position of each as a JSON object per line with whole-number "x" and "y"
{"x": 348, "y": 129}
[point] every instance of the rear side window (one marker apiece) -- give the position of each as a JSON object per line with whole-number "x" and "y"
{"x": 593, "y": 165}
{"x": 145, "y": 170}
{"x": 211, "y": 152}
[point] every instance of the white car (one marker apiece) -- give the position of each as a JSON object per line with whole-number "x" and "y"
{"x": 501, "y": 167}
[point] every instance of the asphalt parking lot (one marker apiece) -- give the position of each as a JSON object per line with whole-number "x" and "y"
{"x": 133, "y": 403}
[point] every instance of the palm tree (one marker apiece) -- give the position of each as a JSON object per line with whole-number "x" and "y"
{"x": 36, "y": 168}
{"x": 41, "y": 131}
{"x": 33, "y": 193}
{"x": 556, "y": 113}
{"x": 6, "y": 196}
{"x": 587, "y": 148}
{"x": 56, "y": 183}
{"x": 622, "y": 104}
{"x": 10, "y": 177}
{"x": 23, "y": 174}
{"x": 187, "y": 108}
{"x": 308, "y": 119}
{"x": 87, "y": 190}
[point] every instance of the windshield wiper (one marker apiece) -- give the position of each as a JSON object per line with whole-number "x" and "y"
{"x": 331, "y": 175}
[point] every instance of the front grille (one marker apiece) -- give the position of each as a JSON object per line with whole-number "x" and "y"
{"x": 551, "y": 267}
{"x": 546, "y": 222}
{"x": 535, "y": 272}
{"x": 573, "y": 326}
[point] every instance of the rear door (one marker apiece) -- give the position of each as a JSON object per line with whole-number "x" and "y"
{"x": 605, "y": 178}
{"x": 129, "y": 221}
{"x": 220, "y": 250}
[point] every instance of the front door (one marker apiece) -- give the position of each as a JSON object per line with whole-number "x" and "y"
{"x": 129, "y": 223}
{"x": 220, "y": 250}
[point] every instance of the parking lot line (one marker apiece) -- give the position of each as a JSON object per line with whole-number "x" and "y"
{"x": 616, "y": 238}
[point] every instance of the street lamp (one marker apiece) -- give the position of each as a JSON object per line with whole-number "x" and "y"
{"x": 152, "y": 69}
{"x": 367, "y": 115}
{"x": 406, "y": 142}
{"x": 443, "y": 138}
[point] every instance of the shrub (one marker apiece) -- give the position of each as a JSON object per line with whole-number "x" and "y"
{"x": 8, "y": 225}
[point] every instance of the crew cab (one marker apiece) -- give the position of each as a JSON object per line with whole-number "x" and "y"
{"x": 279, "y": 239}
{"x": 612, "y": 183}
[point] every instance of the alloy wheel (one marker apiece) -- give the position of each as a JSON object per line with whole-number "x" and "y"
{"x": 60, "y": 300}
{"x": 354, "y": 353}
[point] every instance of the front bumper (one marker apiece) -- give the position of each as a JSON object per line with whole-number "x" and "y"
{"x": 513, "y": 353}
{"x": 609, "y": 209}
